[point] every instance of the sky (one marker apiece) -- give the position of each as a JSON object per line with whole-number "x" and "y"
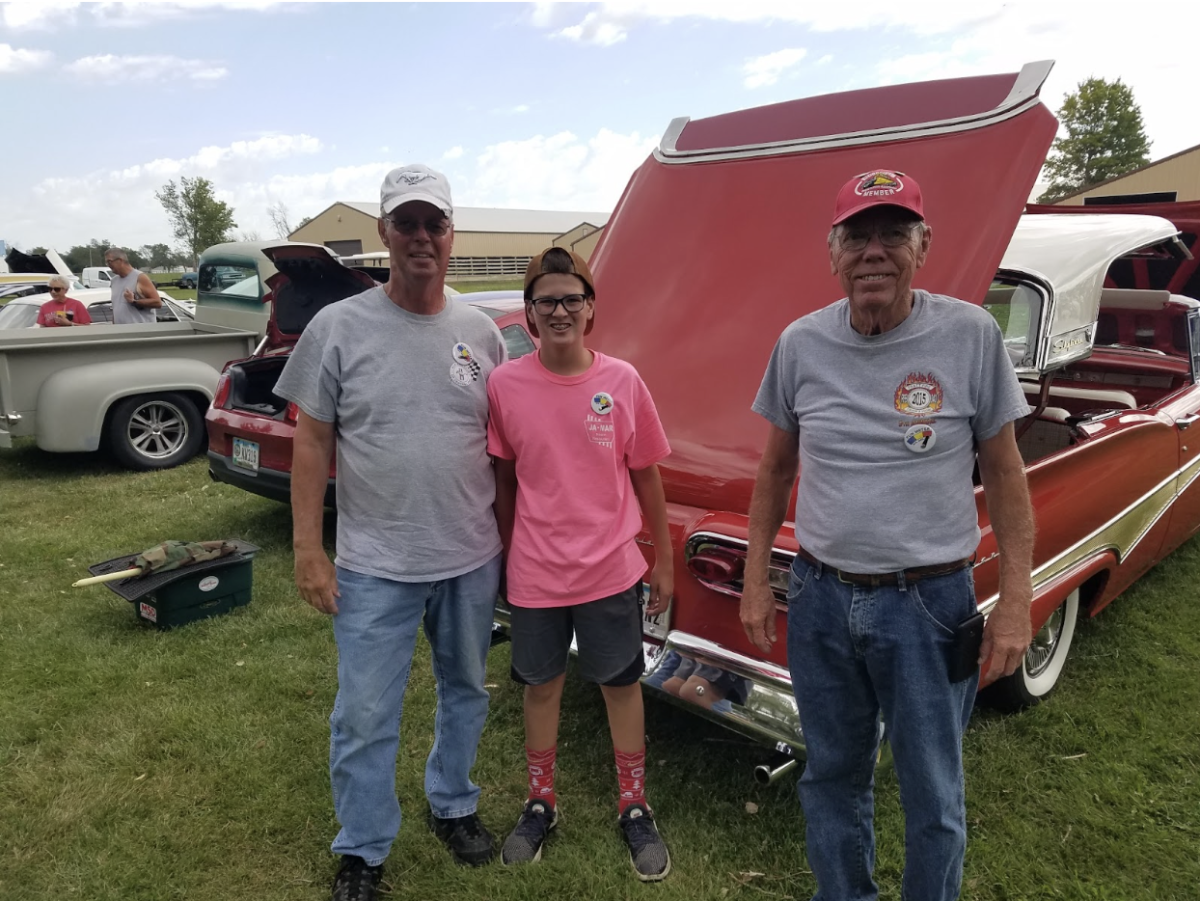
{"x": 523, "y": 105}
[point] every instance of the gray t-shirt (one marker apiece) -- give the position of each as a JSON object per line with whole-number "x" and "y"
{"x": 888, "y": 426}
{"x": 125, "y": 313}
{"x": 407, "y": 394}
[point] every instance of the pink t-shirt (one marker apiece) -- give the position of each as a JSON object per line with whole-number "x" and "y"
{"x": 574, "y": 440}
{"x": 48, "y": 313}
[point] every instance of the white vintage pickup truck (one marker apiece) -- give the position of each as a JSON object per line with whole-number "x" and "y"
{"x": 139, "y": 391}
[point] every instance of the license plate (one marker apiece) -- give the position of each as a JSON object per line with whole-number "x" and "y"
{"x": 655, "y": 626}
{"x": 245, "y": 454}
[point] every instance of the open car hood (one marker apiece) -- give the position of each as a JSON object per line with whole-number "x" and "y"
{"x": 48, "y": 263}
{"x": 307, "y": 279}
{"x": 719, "y": 241}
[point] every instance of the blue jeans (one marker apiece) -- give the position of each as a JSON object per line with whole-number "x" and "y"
{"x": 855, "y": 652}
{"x": 376, "y": 631}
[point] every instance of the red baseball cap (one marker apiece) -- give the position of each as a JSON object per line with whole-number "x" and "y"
{"x": 879, "y": 187}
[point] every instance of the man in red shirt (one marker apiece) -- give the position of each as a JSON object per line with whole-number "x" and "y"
{"x": 61, "y": 310}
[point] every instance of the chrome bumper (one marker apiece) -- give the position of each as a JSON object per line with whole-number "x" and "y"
{"x": 751, "y": 697}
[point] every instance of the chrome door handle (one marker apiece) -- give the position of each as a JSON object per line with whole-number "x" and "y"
{"x": 1184, "y": 421}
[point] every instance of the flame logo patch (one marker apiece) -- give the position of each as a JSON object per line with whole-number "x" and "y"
{"x": 919, "y": 394}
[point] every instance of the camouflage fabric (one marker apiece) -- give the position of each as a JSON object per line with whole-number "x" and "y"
{"x": 174, "y": 554}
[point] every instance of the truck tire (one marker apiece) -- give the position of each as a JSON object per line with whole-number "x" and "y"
{"x": 155, "y": 431}
{"x": 1043, "y": 663}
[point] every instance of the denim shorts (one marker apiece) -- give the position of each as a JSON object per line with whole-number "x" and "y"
{"x": 608, "y": 637}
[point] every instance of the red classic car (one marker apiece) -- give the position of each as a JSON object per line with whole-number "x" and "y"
{"x": 250, "y": 428}
{"x": 719, "y": 241}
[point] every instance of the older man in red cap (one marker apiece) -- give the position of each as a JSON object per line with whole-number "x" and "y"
{"x": 885, "y": 401}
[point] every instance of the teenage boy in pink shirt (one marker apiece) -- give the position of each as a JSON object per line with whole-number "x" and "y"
{"x": 576, "y": 439}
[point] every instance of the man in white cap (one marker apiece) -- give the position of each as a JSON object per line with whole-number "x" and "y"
{"x": 395, "y": 379}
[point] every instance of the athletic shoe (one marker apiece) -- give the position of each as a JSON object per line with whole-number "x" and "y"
{"x": 647, "y": 851}
{"x": 466, "y": 837}
{"x": 524, "y": 843}
{"x": 356, "y": 881}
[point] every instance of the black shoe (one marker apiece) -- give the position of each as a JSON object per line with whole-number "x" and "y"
{"x": 356, "y": 881}
{"x": 647, "y": 851}
{"x": 466, "y": 837}
{"x": 524, "y": 843}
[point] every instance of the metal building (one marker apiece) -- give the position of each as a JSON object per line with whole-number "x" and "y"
{"x": 488, "y": 242}
{"x": 1173, "y": 178}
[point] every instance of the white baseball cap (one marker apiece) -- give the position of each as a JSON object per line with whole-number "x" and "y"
{"x": 415, "y": 182}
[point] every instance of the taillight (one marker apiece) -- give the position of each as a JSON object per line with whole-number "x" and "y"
{"x": 291, "y": 413}
{"x": 224, "y": 386}
{"x": 716, "y": 566}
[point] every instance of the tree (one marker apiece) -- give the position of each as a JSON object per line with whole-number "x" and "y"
{"x": 198, "y": 219}
{"x": 1105, "y": 138}
{"x": 279, "y": 219}
{"x": 157, "y": 256}
{"x": 303, "y": 222}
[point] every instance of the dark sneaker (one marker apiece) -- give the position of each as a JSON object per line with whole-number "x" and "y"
{"x": 466, "y": 837}
{"x": 356, "y": 881}
{"x": 647, "y": 850}
{"x": 524, "y": 843}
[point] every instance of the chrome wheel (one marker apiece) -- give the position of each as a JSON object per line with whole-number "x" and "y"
{"x": 157, "y": 429}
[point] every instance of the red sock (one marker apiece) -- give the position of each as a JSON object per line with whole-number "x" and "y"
{"x": 541, "y": 768}
{"x": 631, "y": 778}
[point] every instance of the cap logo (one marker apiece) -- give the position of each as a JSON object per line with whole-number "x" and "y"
{"x": 415, "y": 178}
{"x": 879, "y": 184}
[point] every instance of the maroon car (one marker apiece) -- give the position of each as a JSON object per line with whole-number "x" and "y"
{"x": 250, "y": 428}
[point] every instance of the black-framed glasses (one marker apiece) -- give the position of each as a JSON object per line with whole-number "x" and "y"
{"x": 546, "y": 306}
{"x": 856, "y": 237}
{"x": 407, "y": 225}
{"x": 55, "y": 289}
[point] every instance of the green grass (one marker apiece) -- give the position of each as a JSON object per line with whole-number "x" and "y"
{"x": 191, "y": 764}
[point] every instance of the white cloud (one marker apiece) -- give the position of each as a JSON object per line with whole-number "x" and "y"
{"x": 560, "y": 171}
{"x": 611, "y": 23}
{"x": 765, "y": 70}
{"x": 48, "y": 14}
{"x": 453, "y": 153}
{"x": 116, "y": 69}
{"x": 1151, "y": 60}
{"x": 16, "y": 59}
{"x": 120, "y": 203}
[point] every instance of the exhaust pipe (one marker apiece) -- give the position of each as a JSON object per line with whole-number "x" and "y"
{"x": 780, "y": 765}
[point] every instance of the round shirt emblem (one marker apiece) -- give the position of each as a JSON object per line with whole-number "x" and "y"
{"x": 920, "y": 438}
{"x": 461, "y": 376}
{"x": 602, "y": 402}
{"x": 462, "y": 354}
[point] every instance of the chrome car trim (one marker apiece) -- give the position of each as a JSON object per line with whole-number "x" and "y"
{"x": 768, "y": 713}
{"x": 1021, "y": 97}
{"x": 1121, "y": 534}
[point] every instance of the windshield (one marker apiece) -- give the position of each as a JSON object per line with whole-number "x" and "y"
{"x": 18, "y": 315}
{"x": 1017, "y": 308}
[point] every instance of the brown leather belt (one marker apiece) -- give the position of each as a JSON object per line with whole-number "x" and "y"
{"x": 875, "y": 580}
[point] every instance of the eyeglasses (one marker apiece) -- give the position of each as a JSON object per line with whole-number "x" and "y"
{"x": 109, "y": 262}
{"x": 546, "y": 306}
{"x": 856, "y": 237}
{"x": 406, "y": 225}
{"x": 57, "y": 290}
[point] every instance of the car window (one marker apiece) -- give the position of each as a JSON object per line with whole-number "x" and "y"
{"x": 517, "y": 340}
{"x": 1017, "y": 308}
{"x": 101, "y": 312}
{"x": 18, "y": 315}
{"x": 230, "y": 281}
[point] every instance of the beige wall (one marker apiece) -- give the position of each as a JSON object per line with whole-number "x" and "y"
{"x": 569, "y": 238}
{"x": 586, "y": 245}
{"x": 500, "y": 244}
{"x": 341, "y": 223}
{"x": 1180, "y": 174}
